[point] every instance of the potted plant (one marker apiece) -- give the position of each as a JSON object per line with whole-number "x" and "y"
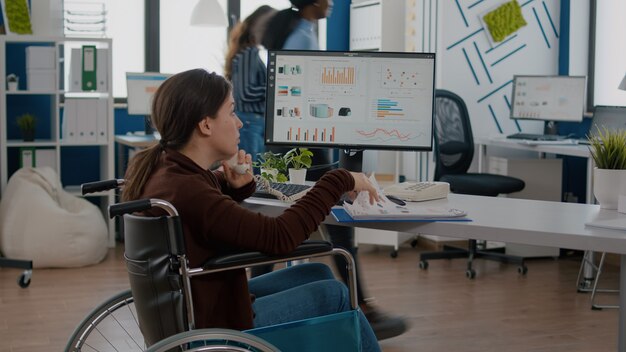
{"x": 12, "y": 82}
{"x": 298, "y": 160}
{"x": 272, "y": 166}
{"x": 608, "y": 150}
{"x": 26, "y": 124}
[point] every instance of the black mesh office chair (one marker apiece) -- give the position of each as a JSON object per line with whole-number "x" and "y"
{"x": 454, "y": 150}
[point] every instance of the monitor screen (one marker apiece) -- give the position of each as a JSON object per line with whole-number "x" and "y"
{"x": 141, "y": 87}
{"x": 548, "y": 98}
{"x": 350, "y": 100}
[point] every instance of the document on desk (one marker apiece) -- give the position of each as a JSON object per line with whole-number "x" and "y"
{"x": 559, "y": 142}
{"x": 386, "y": 210}
{"x": 613, "y": 224}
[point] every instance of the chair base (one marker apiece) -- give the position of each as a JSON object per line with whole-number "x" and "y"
{"x": 450, "y": 252}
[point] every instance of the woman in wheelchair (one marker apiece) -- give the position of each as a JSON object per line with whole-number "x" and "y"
{"x": 194, "y": 113}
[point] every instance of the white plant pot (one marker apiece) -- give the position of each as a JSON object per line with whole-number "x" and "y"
{"x": 12, "y": 86}
{"x": 297, "y": 176}
{"x": 608, "y": 184}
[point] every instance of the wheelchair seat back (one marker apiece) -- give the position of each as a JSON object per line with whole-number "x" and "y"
{"x": 151, "y": 248}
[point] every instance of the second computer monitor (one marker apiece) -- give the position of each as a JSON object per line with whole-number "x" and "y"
{"x": 548, "y": 98}
{"x": 350, "y": 100}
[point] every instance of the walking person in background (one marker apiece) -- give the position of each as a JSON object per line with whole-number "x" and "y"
{"x": 295, "y": 29}
{"x": 247, "y": 73}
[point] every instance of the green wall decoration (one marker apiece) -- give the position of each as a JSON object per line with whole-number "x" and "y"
{"x": 504, "y": 20}
{"x": 18, "y": 16}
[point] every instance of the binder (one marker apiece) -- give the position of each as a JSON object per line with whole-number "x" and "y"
{"x": 69, "y": 120}
{"x": 102, "y": 123}
{"x": 89, "y": 68}
{"x": 101, "y": 70}
{"x": 86, "y": 120}
{"x": 76, "y": 78}
{"x": 27, "y": 157}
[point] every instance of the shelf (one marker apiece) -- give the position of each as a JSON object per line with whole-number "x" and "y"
{"x": 83, "y": 144}
{"x": 37, "y": 143}
{"x": 33, "y": 92}
{"x": 75, "y": 161}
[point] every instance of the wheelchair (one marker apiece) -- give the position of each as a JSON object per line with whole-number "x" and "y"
{"x": 156, "y": 313}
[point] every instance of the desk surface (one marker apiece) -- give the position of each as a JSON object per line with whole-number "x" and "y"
{"x": 502, "y": 219}
{"x": 579, "y": 150}
{"x": 137, "y": 140}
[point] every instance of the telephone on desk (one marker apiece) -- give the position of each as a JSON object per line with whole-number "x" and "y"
{"x": 418, "y": 191}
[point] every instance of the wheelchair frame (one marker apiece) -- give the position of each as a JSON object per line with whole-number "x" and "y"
{"x": 190, "y": 339}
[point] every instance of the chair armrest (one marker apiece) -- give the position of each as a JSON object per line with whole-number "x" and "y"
{"x": 250, "y": 258}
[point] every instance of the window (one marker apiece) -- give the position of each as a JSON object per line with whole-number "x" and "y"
{"x": 184, "y": 47}
{"x": 610, "y": 53}
{"x": 125, "y": 25}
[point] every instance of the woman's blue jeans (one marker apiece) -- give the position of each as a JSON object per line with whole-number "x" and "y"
{"x": 252, "y": 133}
{"x": 301, "y": 292}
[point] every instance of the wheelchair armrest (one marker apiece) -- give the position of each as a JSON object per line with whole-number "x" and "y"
{"x": 251, "y": 258}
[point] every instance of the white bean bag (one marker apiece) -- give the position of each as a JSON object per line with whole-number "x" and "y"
{"x": 41, "y": 222}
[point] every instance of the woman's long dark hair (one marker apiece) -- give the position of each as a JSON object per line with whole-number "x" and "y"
{"x": 241, "y": 37}
{"x": 279, "y": 28}
{"x": 180, "y": 103}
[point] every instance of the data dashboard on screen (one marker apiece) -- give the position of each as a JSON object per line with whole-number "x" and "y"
{"x": 350, "y": 100}
{"x": 548, "y": 98}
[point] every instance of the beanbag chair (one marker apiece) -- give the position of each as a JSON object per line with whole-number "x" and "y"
{"x": 41, "y": 222}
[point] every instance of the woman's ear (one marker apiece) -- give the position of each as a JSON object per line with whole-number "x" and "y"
{"x": 205, "y": 126}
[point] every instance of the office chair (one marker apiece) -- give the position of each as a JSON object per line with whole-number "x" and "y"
{"x": 454, "y": 150}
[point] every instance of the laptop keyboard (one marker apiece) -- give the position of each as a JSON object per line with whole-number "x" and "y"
{"x": 535, "y": 137}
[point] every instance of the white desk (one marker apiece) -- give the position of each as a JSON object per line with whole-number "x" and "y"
{"x": 512, "y": 220}
{"x": 578, "y": 150}
{"x": 136, "y": 141}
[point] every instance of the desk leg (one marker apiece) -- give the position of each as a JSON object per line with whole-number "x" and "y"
{"x": 621, "y": 339}
{"x": 482, "y": 151}
{"x": 590, "y": 197}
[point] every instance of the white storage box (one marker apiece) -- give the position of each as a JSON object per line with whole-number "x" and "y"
{"x": 41, "y": 80}
{"x": 40, "y": 57}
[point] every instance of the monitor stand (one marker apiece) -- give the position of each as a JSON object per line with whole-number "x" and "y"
{"x": 148, "y": 128}
{"x": 351, "y": 160}
{"x": 551, "y": 128}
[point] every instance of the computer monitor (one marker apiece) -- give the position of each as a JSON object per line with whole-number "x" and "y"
{"x": 548, "y": 98}
{"x": 350, "y": 100}
{"x": 141, "y": 87}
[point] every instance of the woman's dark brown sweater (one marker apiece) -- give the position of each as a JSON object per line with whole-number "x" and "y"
{"x": 214, "y": 224}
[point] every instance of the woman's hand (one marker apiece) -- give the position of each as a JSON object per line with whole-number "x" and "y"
{"x": 235, "y": 179}
{"x": 362, "y": 183}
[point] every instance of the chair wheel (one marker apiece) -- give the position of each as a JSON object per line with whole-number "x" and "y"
{"x": 522, "y": 269}
{"x": 24, "y": 279}
{"x": 423, "y": 264}
{"x": 470, "y": 274}
{"x": 414, "y": 243}
{"x": 393, "y": 254}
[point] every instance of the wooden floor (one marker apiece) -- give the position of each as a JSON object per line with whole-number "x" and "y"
{"x": 498, "y": 311}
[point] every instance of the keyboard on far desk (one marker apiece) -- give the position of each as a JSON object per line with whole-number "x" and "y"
{"x": 536, "y": 137}
{"x": 288, "y": 189}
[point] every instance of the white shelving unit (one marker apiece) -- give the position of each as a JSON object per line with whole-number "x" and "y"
{"x": 49, "y": 125}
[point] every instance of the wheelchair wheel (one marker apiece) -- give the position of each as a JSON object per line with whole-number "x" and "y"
{"x": 213, "y": 340}
{"x": 112, "y": 326}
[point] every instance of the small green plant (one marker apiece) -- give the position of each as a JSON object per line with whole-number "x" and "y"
{"x": 268, "y": 162}
{"x": 608, "y": 148}
{"x": 299, "y": 158}
{"x": 26, "y": 124}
